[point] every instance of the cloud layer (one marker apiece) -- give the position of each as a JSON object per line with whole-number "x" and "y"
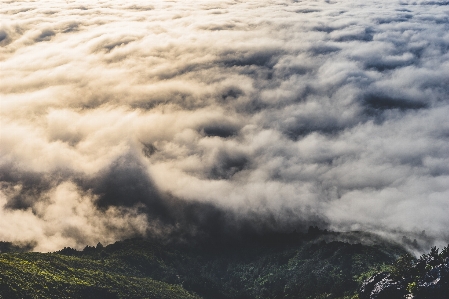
{"x": 120, "y": 118}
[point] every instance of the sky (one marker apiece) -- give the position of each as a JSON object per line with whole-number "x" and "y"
{"x": 133, "y": 118}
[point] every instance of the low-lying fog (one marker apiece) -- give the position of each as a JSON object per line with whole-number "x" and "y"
{"x": 124, "y": 118}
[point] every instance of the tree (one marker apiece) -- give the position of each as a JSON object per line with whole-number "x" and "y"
{"x": 403, "y": 266}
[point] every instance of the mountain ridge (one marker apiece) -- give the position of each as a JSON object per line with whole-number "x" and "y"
{"x": 291, "y": 265}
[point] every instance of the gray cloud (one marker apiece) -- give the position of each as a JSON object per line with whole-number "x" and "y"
{"x": 121, "y": 118}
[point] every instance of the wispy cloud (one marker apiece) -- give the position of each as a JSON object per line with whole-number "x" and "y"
{"x": 120, "y": 117}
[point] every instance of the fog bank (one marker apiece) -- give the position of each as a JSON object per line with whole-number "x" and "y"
{"x": 125, "y": 118}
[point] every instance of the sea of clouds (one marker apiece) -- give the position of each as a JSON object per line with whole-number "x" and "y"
{"x": 125, "y": 118}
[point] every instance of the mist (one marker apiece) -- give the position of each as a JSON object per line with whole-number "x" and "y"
{"x": 137, "y": 118}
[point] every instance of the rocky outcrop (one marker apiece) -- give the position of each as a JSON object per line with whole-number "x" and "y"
{"x": 382, "y": 286}
{"x": 369, "y": 285}
{"x": 431, "y": 283}
{"x": 387, "y": 288}
{"x": 435, "y": 283}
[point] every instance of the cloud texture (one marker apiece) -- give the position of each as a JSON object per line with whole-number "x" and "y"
{"x": 122, "y": 118}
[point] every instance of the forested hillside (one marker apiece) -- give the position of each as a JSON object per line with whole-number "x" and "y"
{"x": 313, "y": 265}
{"x": 426, "y": 277}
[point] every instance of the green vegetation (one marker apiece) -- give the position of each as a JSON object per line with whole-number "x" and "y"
{"x": 421, "y": 278}
{"x": 37, "y": 275}
{"x": 411, "y": 268}
{"x": 292, "y": 266}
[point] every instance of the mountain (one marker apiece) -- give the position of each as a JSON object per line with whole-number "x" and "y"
{"x": 317, "y": 264}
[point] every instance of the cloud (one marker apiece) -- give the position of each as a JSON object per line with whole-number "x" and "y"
{"x": 66, "y": 216}
{"x": 121, "y": 118}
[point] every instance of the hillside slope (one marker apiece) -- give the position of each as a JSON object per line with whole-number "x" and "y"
{"x": 313, "y": 265}
{"x": 426, "y": 277}
{"x": 37, "y": 275}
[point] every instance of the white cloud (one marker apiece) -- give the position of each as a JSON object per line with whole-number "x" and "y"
{"x": 306, "y": 110}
